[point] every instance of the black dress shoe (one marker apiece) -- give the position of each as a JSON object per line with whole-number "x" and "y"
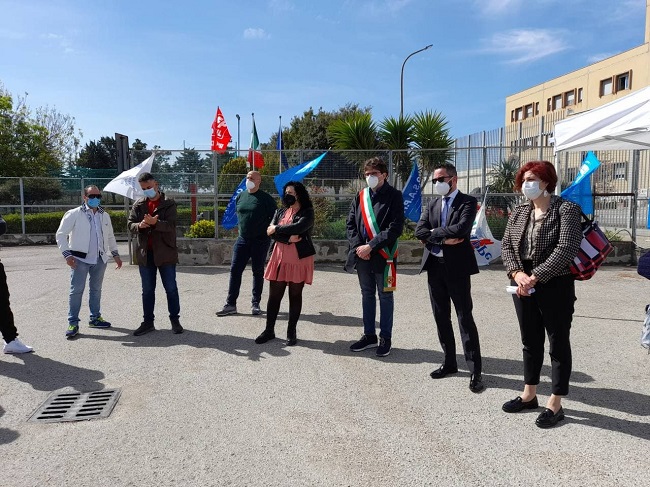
{"x": 517, "y": 404}
{"x": 291, "y": 336}
{"x": 264, "y": 337}
{"x": 443, "y": 371}
{"x": 548, "y": 419}
{"x": 476, "y": 383}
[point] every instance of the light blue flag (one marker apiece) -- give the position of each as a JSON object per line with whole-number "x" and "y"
{"x": 229, "y": 219}
{"x": 580, "y": 190}
{"x": 296, "y": 173}
{"x": 412, "y": 194}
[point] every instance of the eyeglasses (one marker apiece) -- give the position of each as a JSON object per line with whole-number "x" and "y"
{"x": 93, "y": 196}
{"x": 441, "y": 179}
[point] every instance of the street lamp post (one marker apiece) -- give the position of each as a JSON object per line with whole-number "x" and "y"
{"x": 401, "y": 106}
{"x": 237, "y": 134}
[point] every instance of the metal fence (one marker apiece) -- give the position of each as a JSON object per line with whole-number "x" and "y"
{"x": 202, "y": 182}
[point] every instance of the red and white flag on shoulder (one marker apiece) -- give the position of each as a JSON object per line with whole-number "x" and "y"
{"x": 220, "y": 133}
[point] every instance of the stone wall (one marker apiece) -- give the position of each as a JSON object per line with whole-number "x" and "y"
{"x": 208, "y": 251}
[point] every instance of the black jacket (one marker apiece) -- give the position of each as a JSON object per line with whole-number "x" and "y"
{"x": 460, "y": 258}
{"x": 388, "y": 206}
{"x": 301, "y": 225}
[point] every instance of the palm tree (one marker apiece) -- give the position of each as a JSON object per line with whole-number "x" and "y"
{"x": 395, "y": 134}
{"x": 431, "y": 136}
{"x": 355, "y": 132}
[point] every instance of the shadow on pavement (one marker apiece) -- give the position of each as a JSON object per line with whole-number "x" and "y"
{"x": 7, "y": 435}
{"x": 45, "y": 374}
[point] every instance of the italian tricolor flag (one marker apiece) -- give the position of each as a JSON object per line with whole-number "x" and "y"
{"x": 255, "y": 158}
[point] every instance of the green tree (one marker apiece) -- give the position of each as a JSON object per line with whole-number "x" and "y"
{"x": 101, "y": 154}
{"x": 431, "y": 137}
{"x": 24, "y": 148}
{"x": 396, "y": 134}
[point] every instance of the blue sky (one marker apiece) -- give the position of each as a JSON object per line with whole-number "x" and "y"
{"x": 157, "y": 70}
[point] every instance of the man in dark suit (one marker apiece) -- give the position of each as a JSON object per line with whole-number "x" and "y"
{"x": 444, "y": 228}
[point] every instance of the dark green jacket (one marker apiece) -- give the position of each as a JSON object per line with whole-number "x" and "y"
{"x": 163, "y": 234}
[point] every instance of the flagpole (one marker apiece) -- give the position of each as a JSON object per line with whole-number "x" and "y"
{"x": 278, "y": 143}
{"x": 252, "y": 132}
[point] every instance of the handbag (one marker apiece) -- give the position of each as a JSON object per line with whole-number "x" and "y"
{"x": 643, "y": 268}
{"x": 593, "y": 249}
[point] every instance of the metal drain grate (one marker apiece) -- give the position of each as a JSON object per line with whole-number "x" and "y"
{"x": 76, "y": 406}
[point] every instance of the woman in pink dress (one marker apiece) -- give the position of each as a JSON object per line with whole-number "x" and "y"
{"x": 292, "y": 258}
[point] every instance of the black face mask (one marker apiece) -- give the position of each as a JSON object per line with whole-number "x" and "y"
{"x": 288, "y": 200}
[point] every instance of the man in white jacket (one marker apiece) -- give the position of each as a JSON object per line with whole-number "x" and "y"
{"x": 85, "y": 236}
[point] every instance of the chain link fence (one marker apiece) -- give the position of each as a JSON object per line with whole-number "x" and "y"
{"x": 203, "y": 182}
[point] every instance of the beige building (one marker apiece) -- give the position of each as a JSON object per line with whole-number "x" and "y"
{"x": 530, "y": 115}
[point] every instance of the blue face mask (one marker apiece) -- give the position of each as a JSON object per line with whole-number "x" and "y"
{"x": 150, "y": 193}
{"x": 93, "y": 202}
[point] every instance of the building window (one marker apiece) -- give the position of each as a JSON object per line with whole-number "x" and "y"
{"x": 512, "y": 116}
{"x": 570, "y": 98}
{"x": 606, "y": 87}
{"x": 519, "y": 114}
{"x": 570, "y": 174}
{"x": 620, "y": 170}
{"x": 623, "y": 82}
{"x": 548, "y": 105}
{"x": 557, "y": 102}
{"x": 529, "y": 111}
{"x": 537, "y": 108}
{"x": 579, "y": 95}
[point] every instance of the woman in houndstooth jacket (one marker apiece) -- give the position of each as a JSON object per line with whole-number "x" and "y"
{"x": 541, "y": 239}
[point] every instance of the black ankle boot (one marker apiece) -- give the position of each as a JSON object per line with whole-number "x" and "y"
{"x": 291, "y": 336}
{"x": 265, "y": 336}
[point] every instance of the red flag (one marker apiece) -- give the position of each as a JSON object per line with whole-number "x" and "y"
{"x": 255, "y": 157}
{"x": 220, "y": 134}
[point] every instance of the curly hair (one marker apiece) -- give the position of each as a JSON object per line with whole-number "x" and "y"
{"x": 544, "y": 170}
{"x": 302, "y": 195}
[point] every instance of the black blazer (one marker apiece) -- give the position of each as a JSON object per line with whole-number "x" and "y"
{"x": 388, "y": 206}
{"x": 459, "y": 258}
{"x": 301, "y": 225}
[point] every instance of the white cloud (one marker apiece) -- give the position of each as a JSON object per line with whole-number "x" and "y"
{"x": 281, "y": 5}
{"x": 599, "y": 57}
{"x": 526, "y": 45}
{"x": 377, "y": 7}
{"x": 256, "y": 33}
{"x": 494, "y": 7}
{"x": 61, "y": 41}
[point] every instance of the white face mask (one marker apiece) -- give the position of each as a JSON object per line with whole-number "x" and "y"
{"x": 531, "y": 189}
{"x": 441, "y": 188}
{"x": 250, "y": 185}
{"x": 372, "y": 181}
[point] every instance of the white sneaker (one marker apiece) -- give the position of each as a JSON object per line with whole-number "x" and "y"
{"x": 16, "y": 346}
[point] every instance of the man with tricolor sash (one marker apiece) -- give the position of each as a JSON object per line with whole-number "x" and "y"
{"x": 374, "y": 224}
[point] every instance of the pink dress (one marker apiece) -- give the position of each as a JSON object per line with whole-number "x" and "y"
{"x": 284, "y": 264}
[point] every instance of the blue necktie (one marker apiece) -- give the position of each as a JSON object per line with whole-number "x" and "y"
{"x": 445, "y": 212}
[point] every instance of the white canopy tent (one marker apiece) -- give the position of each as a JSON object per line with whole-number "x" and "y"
{"x": 619, "y": 125}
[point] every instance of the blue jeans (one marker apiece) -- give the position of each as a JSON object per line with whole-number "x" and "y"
{"x": 372, "y": 283}
{"x": 168, "y": 277}
{"x": 245, "y": 249}
{"x": 78, "y": 277}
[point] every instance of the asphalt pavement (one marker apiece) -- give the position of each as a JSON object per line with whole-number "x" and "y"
{"x": 211, "y": 408}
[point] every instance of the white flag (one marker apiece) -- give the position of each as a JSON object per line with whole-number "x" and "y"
{"x": 485, "y": 247}
{"x": 127, "y": 184}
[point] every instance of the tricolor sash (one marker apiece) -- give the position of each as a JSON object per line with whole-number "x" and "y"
{"x": 372, "y": 228}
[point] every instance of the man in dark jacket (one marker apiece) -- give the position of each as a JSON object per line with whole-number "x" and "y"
{"x": 7, "y": 327}
{"x": 153, "y": 220}
{"x": 448, "y": 257}
{"x": 374, "y": 224}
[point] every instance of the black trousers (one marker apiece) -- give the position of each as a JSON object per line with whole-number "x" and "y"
{"x": 549, "y": 310}
{"x": 444, "y": 287}
{"x": 7, "y": 327}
